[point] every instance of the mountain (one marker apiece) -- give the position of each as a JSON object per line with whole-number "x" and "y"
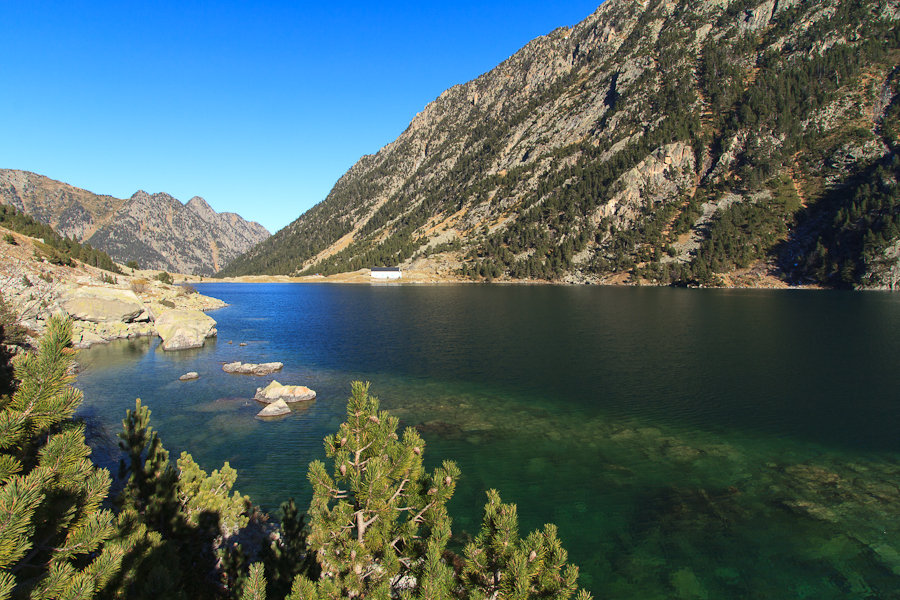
{"x": 156, "y": 230}
{"x": 665, "y": 141}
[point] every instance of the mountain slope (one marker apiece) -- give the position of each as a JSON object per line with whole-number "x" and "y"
{"x": 157, "y": 231}
{"x": 663, "y": 140}
{"x": 70, "y": 211}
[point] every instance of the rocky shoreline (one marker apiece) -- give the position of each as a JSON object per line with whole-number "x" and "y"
{"x": 103, "y": 306}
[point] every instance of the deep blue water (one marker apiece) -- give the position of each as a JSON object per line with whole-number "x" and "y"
{"x": 688, "y": 443}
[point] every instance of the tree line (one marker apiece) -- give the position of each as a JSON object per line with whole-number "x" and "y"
{"x": 55, "y": 248}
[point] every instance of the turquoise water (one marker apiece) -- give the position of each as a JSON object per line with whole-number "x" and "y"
{"x": 688, "y": 443}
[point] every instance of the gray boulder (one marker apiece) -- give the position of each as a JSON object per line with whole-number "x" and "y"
{"x": 276, "y": 409}
{"x": 103, "y": 305}
{"x": 189, "y": 376}
{"x": 181, "y": 329}
{"x": 288, "y": 393}
{"x": 252, "y": 368}
{"x": 86, "y": 339}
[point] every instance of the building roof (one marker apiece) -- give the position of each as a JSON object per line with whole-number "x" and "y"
{"x": 385, "y": 269}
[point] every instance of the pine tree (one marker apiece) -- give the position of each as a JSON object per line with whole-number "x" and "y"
{"x": 175, "y": 521}
{"x": 379, "y": 525}
{"x": 151, "y": 482}
{"x": 53, "y": 532}
{"x": 288, "y": 555}
{"x": 256, "y": 586}
{"x": 379, "y": 522}
{"x": 10, "y": 333}
{"x": 501, "y": 565}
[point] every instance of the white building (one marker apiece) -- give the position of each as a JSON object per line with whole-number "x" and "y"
{"x": 386, "y": 273}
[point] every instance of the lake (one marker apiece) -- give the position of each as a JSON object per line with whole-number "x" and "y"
{"x": 688, "y": 443}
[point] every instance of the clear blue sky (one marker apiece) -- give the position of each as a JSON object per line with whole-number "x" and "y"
{"x": 257, "y": 107}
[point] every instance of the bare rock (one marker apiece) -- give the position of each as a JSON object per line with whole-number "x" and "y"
{"x": 88, "y": 339}
{"x": 189, "y": 376}
{"x": 252, "y": 368}
{"x": 181, "y": 329}
{"x": 275, "y": 409}
{"x": 288, "y": 393}
{"x": 103, "y": 305}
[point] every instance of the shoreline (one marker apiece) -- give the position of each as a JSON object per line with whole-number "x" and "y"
{"x": 103, "y": 305}
{"x": 363, "y": 277}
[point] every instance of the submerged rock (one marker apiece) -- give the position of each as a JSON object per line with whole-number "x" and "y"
{"x": 288, "y": 393}
{"x": 251, "y": 368}
{"x": 189, "y": 376}
{"x": 181, "y": 329}
{"x": 443, "y": 429}
{"x": 276, "y": 409}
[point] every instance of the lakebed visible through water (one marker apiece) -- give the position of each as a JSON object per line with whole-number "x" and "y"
{"x": 688, "y": 443}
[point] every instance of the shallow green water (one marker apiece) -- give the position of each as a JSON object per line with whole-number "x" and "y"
{"x": 688, "y": 443}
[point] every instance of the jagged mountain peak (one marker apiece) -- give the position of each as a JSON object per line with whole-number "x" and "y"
{"x": 156, "y": 230}
{"x": 197, "y": 203}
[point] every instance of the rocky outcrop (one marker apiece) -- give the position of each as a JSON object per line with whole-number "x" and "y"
{"x": 275, "y": 409}
{"x": 104, "y": 305}
{"x": 156, "y": 230}
{"x": 87, "y": 333}
{"x": 288, "y": 393}
{"x": 101, "y": 310}
{"x": 189, "y": 376}
{"x": 240, "y": 368}
{"x": 181, "y": 329}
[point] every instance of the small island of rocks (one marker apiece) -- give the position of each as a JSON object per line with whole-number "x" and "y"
{"x": 289, "y": 393}
{"x": 277, "y": 397}
{"x": 277, "y": 409}
{"x": 240, "y": 368}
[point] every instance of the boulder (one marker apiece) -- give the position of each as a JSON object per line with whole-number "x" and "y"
{"x": 189, "y": 376}
{"x": 276, "y": 409}
{"x": 251, "y": 368}
{"x": 184, "y": 328}
{"x": 88, "y": 339}
{"x": 288, "y": 393}
{"x": 103, "y": 305}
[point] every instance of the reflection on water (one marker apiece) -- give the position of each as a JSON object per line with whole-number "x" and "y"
{"x": 689, "y": 444}
{"x": 119, "y": 354}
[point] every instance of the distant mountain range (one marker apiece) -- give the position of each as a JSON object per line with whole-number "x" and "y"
{"x": 156, "y": 230}
{"x": 664, "y": 141}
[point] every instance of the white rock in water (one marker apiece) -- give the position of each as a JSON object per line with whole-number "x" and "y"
{"x": 181, "y": 329}
{"x": 276, "y": 409}
{"x": 88, "y": 339}
{"x": 289, "y": 393}
{"x": 251, "y": 368}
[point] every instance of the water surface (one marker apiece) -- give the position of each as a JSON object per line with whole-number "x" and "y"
{"x": 688, "y": 443}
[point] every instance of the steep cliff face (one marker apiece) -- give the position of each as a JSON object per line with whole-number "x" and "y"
{"x": 662, "y": 140}
{"x": 157, "y": 231}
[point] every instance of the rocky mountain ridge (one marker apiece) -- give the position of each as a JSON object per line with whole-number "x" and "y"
{"x": 659, "y": 141}
{"x": 156, "y": 230}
